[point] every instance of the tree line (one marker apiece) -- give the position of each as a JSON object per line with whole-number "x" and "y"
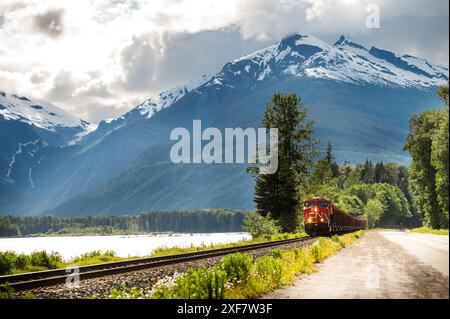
{"x": 201, "y": 221}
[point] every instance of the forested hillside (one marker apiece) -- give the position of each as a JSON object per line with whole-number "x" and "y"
{"x": 203, "y": 221}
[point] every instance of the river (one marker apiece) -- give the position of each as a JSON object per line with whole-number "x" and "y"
{"x": 124, "y": 246}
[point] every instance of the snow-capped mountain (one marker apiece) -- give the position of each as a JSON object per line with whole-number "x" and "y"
{"x": 41, "y": 115}
{"x": 305, "y": 56}
{"x": 28, "y": 128}
{"x": 359, "y": 99}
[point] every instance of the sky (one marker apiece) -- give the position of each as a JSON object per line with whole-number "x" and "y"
{"x": 97, "y": 59}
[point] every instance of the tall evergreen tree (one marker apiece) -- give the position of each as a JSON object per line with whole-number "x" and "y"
{"x": 329, "y": 156}
{"x": 331, "y": 161}
{"x": 368, "y": 173}
{"x": 278, "y": 194}
{"x": 379, "y": 172}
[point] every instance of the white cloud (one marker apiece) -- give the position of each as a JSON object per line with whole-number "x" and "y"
{"x": 98, "y": 58}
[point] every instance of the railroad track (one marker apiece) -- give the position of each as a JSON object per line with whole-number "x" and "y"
{"x": 41, "y": 279}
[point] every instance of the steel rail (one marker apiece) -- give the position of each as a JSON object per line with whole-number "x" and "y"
{"x": 40, "y": 279}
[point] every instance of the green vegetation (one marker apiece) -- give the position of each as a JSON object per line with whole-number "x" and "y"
{"x": 7, "y": 228}
{"x": 97, "y": 257}
{"x": 198, "y": 283}
{"x": 376, "y": 192}
{"x": 162, "y": 251}
{"x": 428, "y": 145}
{"x": 424, "y": 230}
{"x": 237, "y": 267}
{"x": 258, "y": 225}
{"x": 277, "y": 194}
{"x": 12, "y": 263}
{"x": 202, "y": 221}
{"x": 380, "y": 192}
{"x": 7, "y": 292}
{"x": 241, "y": 276}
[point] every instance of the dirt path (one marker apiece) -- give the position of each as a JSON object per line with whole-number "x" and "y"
{"x": 374, "y": 267}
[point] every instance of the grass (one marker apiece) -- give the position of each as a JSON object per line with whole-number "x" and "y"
{"x": 163, "y": 251}
{"x": 240, "y": 276}
{"x": 12, "y": 263}
{"x": 424, "y": 230}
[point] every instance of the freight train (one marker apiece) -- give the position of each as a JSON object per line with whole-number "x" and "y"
{"x": 321, "y": 217}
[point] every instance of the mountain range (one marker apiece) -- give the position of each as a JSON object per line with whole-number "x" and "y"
{"x": 359, "y": 98}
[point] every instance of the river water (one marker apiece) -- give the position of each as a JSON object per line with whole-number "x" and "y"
{"x": 124, "y": 246}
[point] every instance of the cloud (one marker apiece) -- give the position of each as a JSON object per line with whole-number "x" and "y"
{"x": 50, "y": 22}
{"x": 139, "y": 62}
{"x": 100, "y": 58}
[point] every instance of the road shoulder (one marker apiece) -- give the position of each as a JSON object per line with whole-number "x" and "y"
{"x": 373, "y": 268}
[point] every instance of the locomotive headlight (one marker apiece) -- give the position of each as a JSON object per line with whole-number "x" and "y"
{"x": 316, "y": 209}
{"x": 309, "y": 220}
{"x": 321, "y": 220}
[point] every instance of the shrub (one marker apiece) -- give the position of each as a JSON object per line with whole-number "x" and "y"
{"x": 6, "y": 291}
{"x": 257, "y": 225}
{"x": 7, "y": 260}
{"x": 236, "y": 266}
{"x": 338, "y": 240}
{"x": 200, "y": 283}
{"x": 269, "y": 270}
{"x": 22, "y": 261}
{"x": 43, "y": 259}
{"x": 316, "y": 252}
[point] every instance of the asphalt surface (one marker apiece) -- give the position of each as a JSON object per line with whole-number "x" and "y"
{"x": 381, "y": 265}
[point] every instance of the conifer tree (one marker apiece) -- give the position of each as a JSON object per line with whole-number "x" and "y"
{"x": 278, "y": 194}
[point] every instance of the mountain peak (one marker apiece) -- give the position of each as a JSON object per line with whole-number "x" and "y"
{"x": 346, "y": 42}
{"x": 40, "y": 114}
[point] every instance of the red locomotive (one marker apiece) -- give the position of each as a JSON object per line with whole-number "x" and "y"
{"x": 322, "y": 217}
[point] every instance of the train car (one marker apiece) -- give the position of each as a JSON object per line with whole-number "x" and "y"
{"x": 321, "y": 217}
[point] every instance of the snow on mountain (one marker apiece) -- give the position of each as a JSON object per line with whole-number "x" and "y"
{"x": 39, "y": 114}
{"x": 167, "y": 98}
{"x": 346, "y": 61}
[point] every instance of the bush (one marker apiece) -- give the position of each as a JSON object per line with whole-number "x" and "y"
{"x": 43, "y": 259}
{"x": 22, "y": 261}
{"x": 316, "y": 252}
{"x": 7, "y": 262}
{"x": 237, "y": 267}
{"x": 200, "y": 283}
{"x": 269, "y": 270}
{"x": 338, "y": 240}
{"x": 257, "y": 225}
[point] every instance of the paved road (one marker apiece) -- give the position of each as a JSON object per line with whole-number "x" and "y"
{"x": 380, "y": 265}
{"x": 429, "y": 249}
